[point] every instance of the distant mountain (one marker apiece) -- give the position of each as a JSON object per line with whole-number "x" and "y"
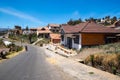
{"x": 3, "y": 29}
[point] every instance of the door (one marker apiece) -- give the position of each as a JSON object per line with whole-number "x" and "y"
{"x": 69, "y": 42}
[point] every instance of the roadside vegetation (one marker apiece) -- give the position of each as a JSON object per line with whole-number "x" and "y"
{"x": 24, "y": 38}
{"x": 43, "y": 41}
{"x": 2, "y": 44}
{"x": 108, "y": 20}
{"x": 6, "y": 50}
{"x": 108, "y": 58}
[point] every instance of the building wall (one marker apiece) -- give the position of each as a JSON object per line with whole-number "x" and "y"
{"x": 75, "y": 46}
{"x": 78, "y": 46}
{"x": 55, "y": 40}
{"x": 92, "y": 39}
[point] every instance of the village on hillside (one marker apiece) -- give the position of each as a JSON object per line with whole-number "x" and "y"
{"x": 91, "y": 42}
{"x": 59, "y": 39}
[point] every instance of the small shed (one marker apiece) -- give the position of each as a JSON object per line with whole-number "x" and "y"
{"x": 55, "y": 38}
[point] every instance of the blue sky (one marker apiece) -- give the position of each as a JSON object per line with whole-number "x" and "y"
{"x": 36, "y": 13}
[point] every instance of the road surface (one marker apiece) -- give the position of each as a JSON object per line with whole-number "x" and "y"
{"x": 31, "y": 65}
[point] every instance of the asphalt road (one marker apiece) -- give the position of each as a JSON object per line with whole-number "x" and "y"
{"x": 31, "y": 65}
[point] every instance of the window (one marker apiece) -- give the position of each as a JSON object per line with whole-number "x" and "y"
{"x": 62, "y": 31}
{"x": 43, "y": 29}
{"x": 76, "y": 39}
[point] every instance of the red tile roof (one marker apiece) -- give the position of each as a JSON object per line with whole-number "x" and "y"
{"x": 43, "y": 30}
{"x": 55, "y": 36}
{"x": 54, "y": 25}
{"x": 89, "y": 27}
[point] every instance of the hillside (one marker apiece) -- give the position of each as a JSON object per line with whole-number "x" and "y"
{"x": 104, "y": 57}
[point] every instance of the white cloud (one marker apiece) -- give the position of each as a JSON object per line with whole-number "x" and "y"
{"x": 76, "y": 14}
{"x": 19, "y": 14}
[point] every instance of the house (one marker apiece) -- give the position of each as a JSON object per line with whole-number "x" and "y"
{"x": 26, "y": 32}
{"x": 55, "y": 38}
{"x": 55, "y": 28}
{"x": 87, "y": 34}
{"x": 17, "y": 30}
{"x": 33, "y": 30}
{"x": 116, "y": 25}
{"x": 30, "y": 31}
{"x": 43, "y": 32}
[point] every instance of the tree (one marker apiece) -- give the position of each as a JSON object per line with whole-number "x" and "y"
{"x": 27, "y": 28}
{"x": 114, "y": 19}
{"x": 98, "y": 20}
{"x": 107, "y": 18}
{"x": 91, "y": 19}
{"x": 74, "y": 22}
{"x": 30, "y": 38}
{"x": 106, "y": 23}
{"x": 86, "y": 20}
{"x": 80, "y": 20}
{"x": 70, "y": 22}
{"x": 77, "y": 21}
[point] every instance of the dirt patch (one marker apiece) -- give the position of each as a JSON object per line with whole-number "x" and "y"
{"x": 88, "y": 51}
{"x": 52, "y": 61}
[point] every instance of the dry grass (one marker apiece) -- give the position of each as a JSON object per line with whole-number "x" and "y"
{"x": 13, "y": 54}
{"x": 106, "y": 61}
{"x": 88, "y": 51}
{"x": 107, "y": 49}
{"x": 105, "y": 57}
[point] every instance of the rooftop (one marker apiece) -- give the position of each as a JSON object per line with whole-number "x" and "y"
{"x": 54, "y": 25}
{"x": 55, "y": 36}
{"x": 88, "y": 27}
{"x": 43, "y": 30}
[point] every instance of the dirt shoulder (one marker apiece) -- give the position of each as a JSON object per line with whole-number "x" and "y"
{"x": 78, "y": 70}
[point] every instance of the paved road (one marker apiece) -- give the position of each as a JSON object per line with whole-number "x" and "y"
{"x": 31, "y": 65}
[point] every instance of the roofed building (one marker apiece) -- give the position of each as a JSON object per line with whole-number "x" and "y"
{"x": 18, "y": 30}
{"x": 55, "y": 28}
{"x": 33, "y": 30}
{"x": 43, "y": 32}
{"x": 87, "y": 34}
{"x": 55, "y": 38}
{"x": 116, "y": 25}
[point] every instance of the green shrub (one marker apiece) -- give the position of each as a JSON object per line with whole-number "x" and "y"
{"x": 15, "y": 48}
{"x": 19, "y": 48}
{"x": 114, "y": 70}
{"x": 91, "y": 72}
{"x": 92, "y": 60}
{"x": 1, "y": 43}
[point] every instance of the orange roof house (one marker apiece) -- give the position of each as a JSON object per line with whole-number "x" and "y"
{"x": 43, "y": 32}
{"x": 55, "y": 28}
{"x": 55, "y": 38}
{"x": 87, "y": 34}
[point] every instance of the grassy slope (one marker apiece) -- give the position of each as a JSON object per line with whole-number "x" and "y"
{"x": 108, "y": 59}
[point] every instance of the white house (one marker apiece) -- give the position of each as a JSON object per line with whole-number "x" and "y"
{"x": 87, "y": 34}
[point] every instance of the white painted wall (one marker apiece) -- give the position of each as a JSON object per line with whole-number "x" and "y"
{"x": 76, "y": 46}
{"x": 62, "y": 42}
